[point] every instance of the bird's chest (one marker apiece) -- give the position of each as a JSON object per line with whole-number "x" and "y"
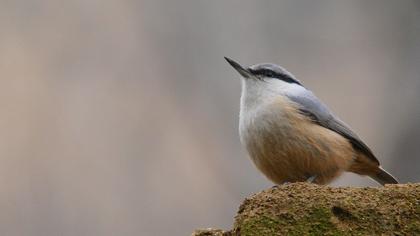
{"x": 267, "y": 130}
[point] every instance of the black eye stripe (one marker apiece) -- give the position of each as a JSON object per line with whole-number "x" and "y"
{"x": 270, "y": 73}
{"x": 265, "y": 72}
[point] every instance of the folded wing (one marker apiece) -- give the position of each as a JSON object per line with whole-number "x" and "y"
{"x": 312, "y": 107}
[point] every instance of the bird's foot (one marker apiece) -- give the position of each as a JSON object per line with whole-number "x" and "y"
{"x": 283, "y": 183}
{"x": 311, "y": 179}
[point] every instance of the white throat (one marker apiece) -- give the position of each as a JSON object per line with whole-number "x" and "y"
{"x": 257, "y": 97}
{"x": 257, "y": 93}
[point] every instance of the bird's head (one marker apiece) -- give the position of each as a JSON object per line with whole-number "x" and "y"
{"x": 263, "y": 72}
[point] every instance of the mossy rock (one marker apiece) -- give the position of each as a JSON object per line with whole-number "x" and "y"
{"x": 308, "y": 209}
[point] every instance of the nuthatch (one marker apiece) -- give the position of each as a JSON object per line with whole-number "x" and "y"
{"x": 291, "y": 136}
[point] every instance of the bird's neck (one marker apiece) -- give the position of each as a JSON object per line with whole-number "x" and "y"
{"x": 258, "y": 93}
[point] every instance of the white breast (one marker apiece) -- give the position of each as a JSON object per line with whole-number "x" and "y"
{"x": 257, "y": 110}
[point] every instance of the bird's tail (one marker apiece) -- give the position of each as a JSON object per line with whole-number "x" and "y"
{"x": 383, "y": 177}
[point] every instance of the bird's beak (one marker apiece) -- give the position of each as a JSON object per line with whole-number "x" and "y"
{"x": 244, "y": 72}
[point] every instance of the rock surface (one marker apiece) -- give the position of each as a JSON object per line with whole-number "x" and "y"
{"x": 308, "y": 209}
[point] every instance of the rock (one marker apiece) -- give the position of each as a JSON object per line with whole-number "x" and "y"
{"x": 210, "y": 232}
{"x": 308, "y": 209}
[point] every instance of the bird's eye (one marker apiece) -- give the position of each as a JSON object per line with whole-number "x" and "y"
{"x": 269, "y": 73}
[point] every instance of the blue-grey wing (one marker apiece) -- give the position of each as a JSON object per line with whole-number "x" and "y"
{"x": 312, "y": 107}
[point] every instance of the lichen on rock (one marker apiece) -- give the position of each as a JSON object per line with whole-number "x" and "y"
{"x": 308, "y": 209}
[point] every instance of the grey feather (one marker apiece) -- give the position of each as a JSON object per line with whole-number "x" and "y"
{"x": 312, "y": 107}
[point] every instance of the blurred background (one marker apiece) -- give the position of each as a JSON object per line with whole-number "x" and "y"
{"x": 121, "y": 117}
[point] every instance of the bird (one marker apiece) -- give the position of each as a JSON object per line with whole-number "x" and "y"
{"x": 292, "y": 136}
